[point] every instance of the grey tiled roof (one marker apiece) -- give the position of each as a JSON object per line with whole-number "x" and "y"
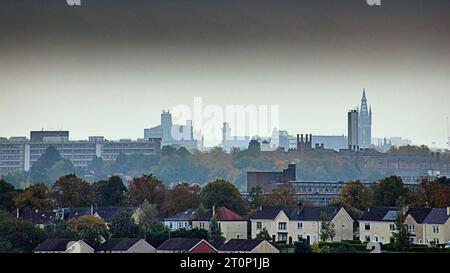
{"x": 437, "y": 216}
{"x": 379, "y": 214}
{"x": 52, "y": 245}
{"x": 296, "y": 213}
{"x": 186, "y": 215}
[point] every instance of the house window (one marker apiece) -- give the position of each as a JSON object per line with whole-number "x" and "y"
{"x": 258, "y": 225}
{"x": 367, "y": 238}
{"x": 410, "y": 228}
{"x": 392, "y": 227}
{"x": 299, "y": 225}
{"x": 282, "y": 225}
{"x": 436, "y": 240}
{"x": 282, "y": 237}
{"x": 367, "y": 226}
{"x": 170, "y": 225}
{"x": 435, "y": 229}
{"x": 375, "y": 238}
{"x": 202, "y": 225}
{"x": 238, "y": 236}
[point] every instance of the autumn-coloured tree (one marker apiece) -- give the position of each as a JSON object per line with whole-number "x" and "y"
{"x": 90, "y": 228}
{"x": 71, "y": 191}
{"x": 432, "y": 194}
{"x": 283, "y": 195}
{"x": 35, "y": 197}
{"x": 355, "y": 194}
{"x": 184, "y": 196}
{"x": 148, "y": 187}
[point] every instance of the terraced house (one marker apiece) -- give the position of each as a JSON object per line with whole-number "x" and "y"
{"x": 426, "y": 225}
{"x": 289, "y": 224}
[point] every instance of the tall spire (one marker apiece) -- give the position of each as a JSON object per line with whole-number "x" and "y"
{"x": 364, "y": 104}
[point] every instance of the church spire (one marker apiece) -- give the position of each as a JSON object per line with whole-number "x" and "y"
{"x": 364, "y": 111}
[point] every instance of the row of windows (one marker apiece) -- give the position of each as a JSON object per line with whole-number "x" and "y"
{"x": 281, "y": 225}
{"x": 410, "y": 228}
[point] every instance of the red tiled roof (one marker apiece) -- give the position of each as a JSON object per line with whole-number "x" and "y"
{"x": 224, "y": 214}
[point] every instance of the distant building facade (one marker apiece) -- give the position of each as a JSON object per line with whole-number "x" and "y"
{"x": 172, "y": 134}
{"x": 353, "y": 132}
{"x": 266, "y": 180}
{"x": 19, "y": 153}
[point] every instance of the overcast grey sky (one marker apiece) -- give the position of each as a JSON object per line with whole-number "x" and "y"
{"x": 110, "y": 67}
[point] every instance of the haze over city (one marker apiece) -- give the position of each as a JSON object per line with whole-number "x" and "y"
{"x": 111, "y": 69}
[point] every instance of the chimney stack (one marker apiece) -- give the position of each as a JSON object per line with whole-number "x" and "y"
{"x": 448, "y": 211}
{"x": 214, "y": 210}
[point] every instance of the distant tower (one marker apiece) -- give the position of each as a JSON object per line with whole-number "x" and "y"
{"x": 364, "y": 124}
{"x": 226, "y": 132}
{"x": 353, "y": 130}
{"x": 166, "y": 125}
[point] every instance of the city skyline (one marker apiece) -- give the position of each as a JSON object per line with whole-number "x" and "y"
{"x": 81, "y": 71}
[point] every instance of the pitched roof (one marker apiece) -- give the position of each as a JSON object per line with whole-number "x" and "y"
{"x": 109, "y": 213}
{"x": 118, "y": 244}
{"x": 52, "y": 245}
{"x": 222, "y": 214}
{"x": 379, "y": 214}
{"x": 297, "y": 213}
{"x": 186, "y": 215}
{"x": 437, "y": 216}
{"x": 36, "y": 216}
{"x": 419, "y": 214}
{"x": 240, "y": 245}
{"x": 179, "y": 244}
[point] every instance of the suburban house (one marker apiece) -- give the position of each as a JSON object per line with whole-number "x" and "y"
{"x": 414, "y": 223}
{"x": 232, "y": 225}
{"x": 63, "y": 246}
{"x": 377, "y": 224}
{"x": 185, "y": 245}
{"x": 248, "y": 246}
{"x": 290, "y": 223}
{"x": 428, "y": 225}
{"x": 180, "y": 220}
{"x": 125, "y": 245}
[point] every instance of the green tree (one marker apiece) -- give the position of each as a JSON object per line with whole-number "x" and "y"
{"x": 58, "y": 228}
{"x": 19, "y": 180}
{"x": 401, "y": 234}
{"x": 150, "y": 227}
{"x": 7, "y": 194}
{"x": 111, "y": 192}
{"x": 123, "y": 226}
{"x": 302, "y": 246}
{"x": 39, "y": 170}
{"x": 90, "y": 228}
{"x": 215, "y": 234}
{"x": 264, "y": 235}
{"x": 256, "y": 197}
{"x": 36, "y": 196}
{"x": 327, "y": 231}
{"x": 60, "y": 168}
{"x": 198, "y": 233}
{"x": 223, "y": 193}
{"x": 19, "y": 236}
{"x": 388, "y": 191}
{"x": 71, "y": 191}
